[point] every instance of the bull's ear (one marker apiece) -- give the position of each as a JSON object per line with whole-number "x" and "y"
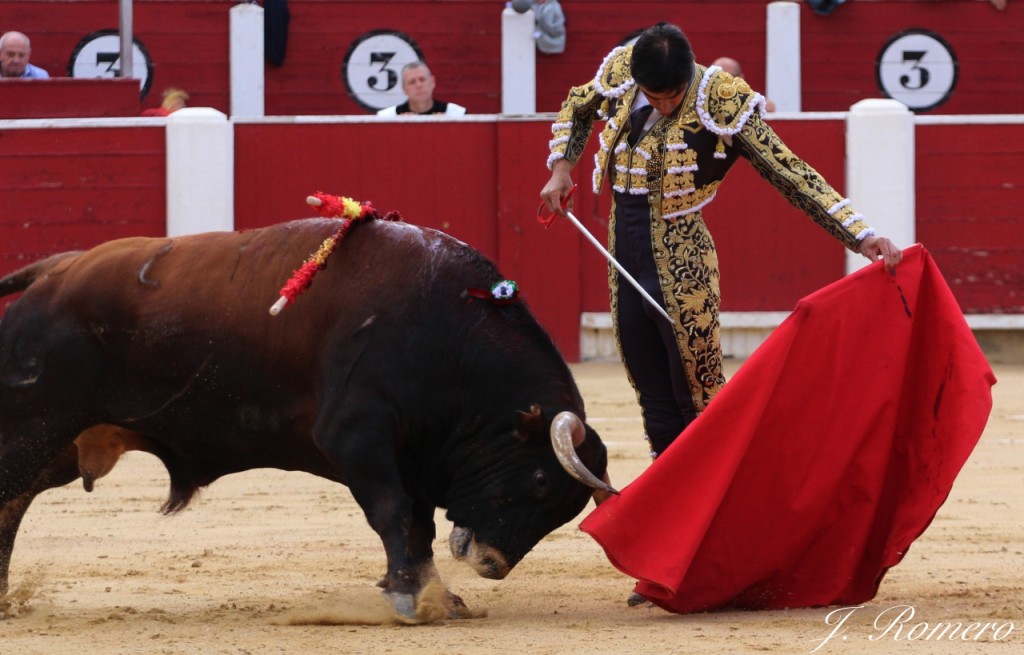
{"x": 530, "y": 424}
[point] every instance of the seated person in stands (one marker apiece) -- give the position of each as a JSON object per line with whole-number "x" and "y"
{"x": 173, "y": 100}
{"x": 14, "y": 53}
{"x": 418, "y": 85}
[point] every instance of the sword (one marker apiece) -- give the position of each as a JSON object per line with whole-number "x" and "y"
{"x": 607, "y": 255}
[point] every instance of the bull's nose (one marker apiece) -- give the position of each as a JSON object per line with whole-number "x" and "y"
{"x": 459, "y": 541}
{"x": 488, "y": 562}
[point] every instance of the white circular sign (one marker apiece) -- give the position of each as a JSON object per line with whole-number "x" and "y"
{"x": 917, "y": 68}
{"x": 373, "y": 68}
{"x": 99, "y": 55}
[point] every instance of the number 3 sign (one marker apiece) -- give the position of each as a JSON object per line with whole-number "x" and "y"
{"x": 373, "y": 68}
{"x": 918, "y": 68}
{"x": 99, "y": 55}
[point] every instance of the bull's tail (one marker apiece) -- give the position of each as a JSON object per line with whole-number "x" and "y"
{"x": 23, "y": 278}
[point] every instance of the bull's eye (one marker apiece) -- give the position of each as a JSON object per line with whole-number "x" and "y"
{"x": 540, "y": 479}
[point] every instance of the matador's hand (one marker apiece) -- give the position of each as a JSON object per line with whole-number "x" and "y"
{"x": 875, "y": 248}
{"x": 558, "y": 187}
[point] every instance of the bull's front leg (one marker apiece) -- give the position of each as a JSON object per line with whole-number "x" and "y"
{"x": 407, "y": 532}
{"x": 414, "y": 588}
{"x": 369, "y": 466}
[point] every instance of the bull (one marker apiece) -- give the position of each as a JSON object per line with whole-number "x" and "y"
{"x": 385, "y": 376}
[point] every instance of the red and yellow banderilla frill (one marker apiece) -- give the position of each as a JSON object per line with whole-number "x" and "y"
{"x": 350, "y": 212}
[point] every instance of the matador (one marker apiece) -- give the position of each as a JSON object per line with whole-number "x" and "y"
{"x": 664, "y": 165}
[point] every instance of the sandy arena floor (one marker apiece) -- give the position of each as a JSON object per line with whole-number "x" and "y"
{"x": 273, "y": 562}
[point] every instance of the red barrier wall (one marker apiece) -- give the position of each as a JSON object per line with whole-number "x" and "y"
{"x": 437, "y": 174}
{"x": 65, "y": 97}
{"x": 66, "y": 189}
{"x": 480, "y": 182}
{"x": 69, "y": 188}
{"x": 970, "y": 211}
{"x": 840, "y": 51}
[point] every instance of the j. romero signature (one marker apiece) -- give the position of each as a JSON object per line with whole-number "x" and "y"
{"x": 897, "y": 623}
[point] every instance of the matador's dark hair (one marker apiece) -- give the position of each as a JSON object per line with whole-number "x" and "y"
{"x": 662, "y": 59}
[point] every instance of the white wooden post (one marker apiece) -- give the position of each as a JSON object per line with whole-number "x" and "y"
{"x": 880, "y": 170}
{"x": 200, "y": 171}
{"x": 126, "y": 33}
{"x": 518, "y": 63}
{"x": 782, "y": 57}
{"x": 247, "y": 85}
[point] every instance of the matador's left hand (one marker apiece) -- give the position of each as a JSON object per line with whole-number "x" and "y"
{"x": 875, "y": 248}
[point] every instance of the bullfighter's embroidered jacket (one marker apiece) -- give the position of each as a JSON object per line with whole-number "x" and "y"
{"x": 678, "y": 164}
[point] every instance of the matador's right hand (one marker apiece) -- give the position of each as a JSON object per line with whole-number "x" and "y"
{"x": 558, "y": 187}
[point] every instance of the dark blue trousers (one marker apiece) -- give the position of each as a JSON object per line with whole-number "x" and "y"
{"x": 647, "y": 341}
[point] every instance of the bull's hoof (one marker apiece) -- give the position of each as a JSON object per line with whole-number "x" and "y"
{"x": 456, "y": 607}
{"x": 404, "y": 606}
{"x": 429, "y": 606}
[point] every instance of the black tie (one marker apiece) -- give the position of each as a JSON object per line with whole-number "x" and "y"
{"x": 637, "y": 120}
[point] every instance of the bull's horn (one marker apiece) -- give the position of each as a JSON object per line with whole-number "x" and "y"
{"x": 567, "y": 432}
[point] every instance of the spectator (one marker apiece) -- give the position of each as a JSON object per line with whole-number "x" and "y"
{"x": 418, "y": 85}
{"x": 173, "y": 100}
{"x": 731, "y": 66}
{"x": 15, "y": 49}
{"x": 550, "y": 24}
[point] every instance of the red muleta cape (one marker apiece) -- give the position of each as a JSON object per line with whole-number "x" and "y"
{"x": 820, "y": 461}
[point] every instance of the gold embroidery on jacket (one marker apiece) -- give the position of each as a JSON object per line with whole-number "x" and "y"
{"x": 687, "y": 264}
{"x": 673, "y": 207}
{"x": 677, "y": 186}
{"x": 728, "y": 101}
{"x": 630, "y": 170}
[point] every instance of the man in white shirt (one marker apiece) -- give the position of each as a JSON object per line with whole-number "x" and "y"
{"x": 418, "y": 85}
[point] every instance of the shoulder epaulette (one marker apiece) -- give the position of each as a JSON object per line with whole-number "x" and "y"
{"x": 725, "y": 103}
{"x": 613, "y": 77}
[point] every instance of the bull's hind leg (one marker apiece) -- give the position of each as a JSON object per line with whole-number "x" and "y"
{"x": 362, "y": 447}
{"x": 63, "y": 470}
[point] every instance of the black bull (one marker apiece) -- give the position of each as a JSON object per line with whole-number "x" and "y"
{"x": 384, "y": 376}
